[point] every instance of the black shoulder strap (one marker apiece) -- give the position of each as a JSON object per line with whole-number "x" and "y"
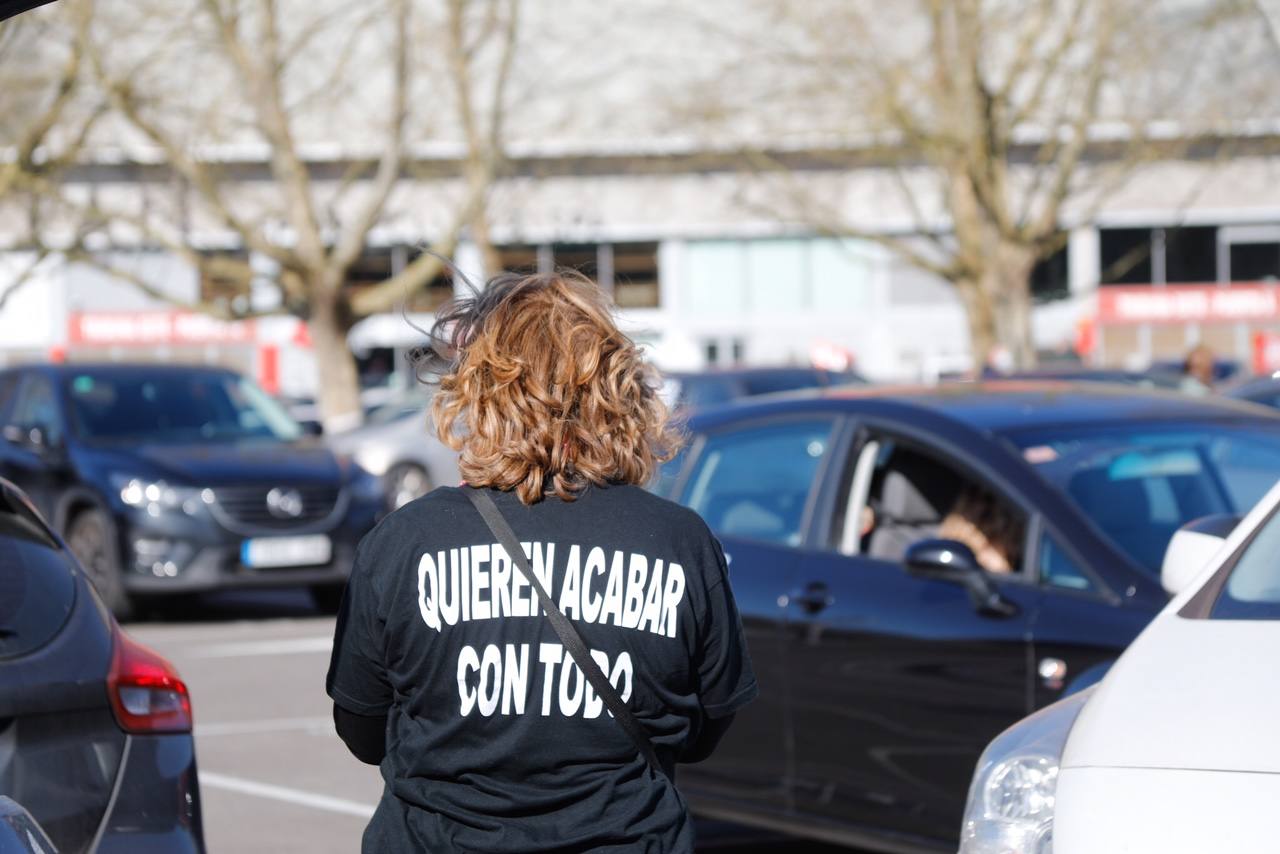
{"x": 564, "y": 628}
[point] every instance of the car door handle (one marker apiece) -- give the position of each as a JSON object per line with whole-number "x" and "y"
{"x": 812, "y": 599}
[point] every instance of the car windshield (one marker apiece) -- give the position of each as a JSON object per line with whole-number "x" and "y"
{"x": 1139, "y": 482}
{"x": 174, "y": 407}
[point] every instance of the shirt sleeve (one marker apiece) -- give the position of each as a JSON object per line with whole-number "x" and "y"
{"x": 357, "y": 678}
{"x": 726, "y": 681}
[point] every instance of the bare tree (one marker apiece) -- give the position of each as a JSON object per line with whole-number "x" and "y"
{"x": 995, "y": 124}
{"x": 46, "y": 120}
{"x": 197, "y": 91}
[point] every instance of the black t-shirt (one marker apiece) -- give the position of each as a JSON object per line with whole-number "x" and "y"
{"x": 495, "y": 741}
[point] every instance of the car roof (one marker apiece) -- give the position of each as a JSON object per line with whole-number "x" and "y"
{"x": 1002, "y": 406}
{"x": 121, "y": 370}
{"x": 766, "y": 371}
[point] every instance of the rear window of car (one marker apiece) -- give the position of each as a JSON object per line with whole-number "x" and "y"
{"x": 754, "y": 482}
{"x": 37, "y": 583}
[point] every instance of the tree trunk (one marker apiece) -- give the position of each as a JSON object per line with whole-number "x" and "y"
{"x": 981, "y": 316}
{"x": 997, "y": 303}
{"x": 1013, "y": 304}
{"x": 489, "y": 256}
{"x": 339, "y": 392}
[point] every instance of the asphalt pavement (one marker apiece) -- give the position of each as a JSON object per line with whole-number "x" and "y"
{"x": 273, "y": 774}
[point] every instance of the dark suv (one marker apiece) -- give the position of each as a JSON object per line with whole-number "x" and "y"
{"x": 171, "y": 479}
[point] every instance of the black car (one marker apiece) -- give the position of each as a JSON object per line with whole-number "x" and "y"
{"x": 181, "y": 479}
{"x": 887, "y": 656}
{"x": 697, "y": 389}
{"x": 95, "y": 729}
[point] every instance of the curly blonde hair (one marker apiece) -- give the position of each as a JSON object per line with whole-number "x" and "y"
{"x": 542, "y": 394}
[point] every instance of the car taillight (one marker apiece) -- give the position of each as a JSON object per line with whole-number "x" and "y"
{"x": 146, "y": 694}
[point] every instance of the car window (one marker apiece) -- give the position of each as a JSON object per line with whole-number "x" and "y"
{"x": 913, "y": 495}
{"x": 36, "y": 407}
{"x": 1058, "y": 569}
{"x": 176, "y": 407}
{"x": 8, "y": 385}
{"x": 1140, "y": 483}
{"x": 669, "y": 473}
{"x": 755, "y": 482}
{"x": 37, "y": 587}
{"x": 1252, "y": 591}
{"x": 699, "y": 391}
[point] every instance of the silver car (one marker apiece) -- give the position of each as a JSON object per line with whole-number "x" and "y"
{"x": 397, "y": 443}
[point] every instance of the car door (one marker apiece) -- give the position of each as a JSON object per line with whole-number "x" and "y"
{"x": 34, "y": 443}
{"x": 898, "y": 681}
{"x": 754, "y": 484}
{"x": 1081, "y": 626}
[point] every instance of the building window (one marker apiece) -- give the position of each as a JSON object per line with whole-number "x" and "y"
{"x": 1049, "y": 278}
{"x": 635, "y": 275}
{"x": 1143, "y": 256}
{"x": 1126, "y": 256}
{"x": 1191, "y": 254}
{"x": 1255, "y": 262}
{"x": 583, "y": 257}
{"x": 519, "y": 259}
{"x": 628, "y": 271}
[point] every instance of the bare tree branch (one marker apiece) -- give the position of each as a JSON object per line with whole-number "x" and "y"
{"x": 385, "y": 295}
{"x": 25, "y": 275}
{"x": 390, "y": 165}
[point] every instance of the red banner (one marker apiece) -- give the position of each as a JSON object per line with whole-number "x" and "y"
{"x": 116, "y": 328}
{"x": 1188, "y": 303}
{"x": 1266, "y": 352}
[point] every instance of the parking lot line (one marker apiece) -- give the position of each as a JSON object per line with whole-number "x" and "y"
{"x": 282, "y": 793}
{"x": 320, "y": 724}
{"x": 286, "y": 646}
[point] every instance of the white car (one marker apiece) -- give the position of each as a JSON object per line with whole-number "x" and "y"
{"x": 1178, "y": 748}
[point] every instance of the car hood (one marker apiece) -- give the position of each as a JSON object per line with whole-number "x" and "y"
{"x": 1191, "y": 694}
{"x": 219, "y": 463}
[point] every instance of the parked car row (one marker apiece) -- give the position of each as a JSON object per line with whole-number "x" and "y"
{"x": 919, "y": 569}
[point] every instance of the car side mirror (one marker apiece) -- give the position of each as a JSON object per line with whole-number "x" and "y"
{"x": 949, "y": 560}
{"x": 1191, "y": 549}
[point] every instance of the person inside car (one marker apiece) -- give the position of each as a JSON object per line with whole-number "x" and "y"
{"x": 982, "y": 522}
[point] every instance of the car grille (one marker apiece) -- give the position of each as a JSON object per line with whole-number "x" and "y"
{"x": 249, "y": 505}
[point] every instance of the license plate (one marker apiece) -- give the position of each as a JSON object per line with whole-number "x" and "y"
{"x": 264, "y": 552}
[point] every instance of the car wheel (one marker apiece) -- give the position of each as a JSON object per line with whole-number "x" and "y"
{"x": 405, "y": 482}
{"x": 328, "y": 597}
{"x": 91, "y": 536}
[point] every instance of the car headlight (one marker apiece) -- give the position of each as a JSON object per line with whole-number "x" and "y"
{"x": 156, "y": 496}
{"x": 1012, "y": 798}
